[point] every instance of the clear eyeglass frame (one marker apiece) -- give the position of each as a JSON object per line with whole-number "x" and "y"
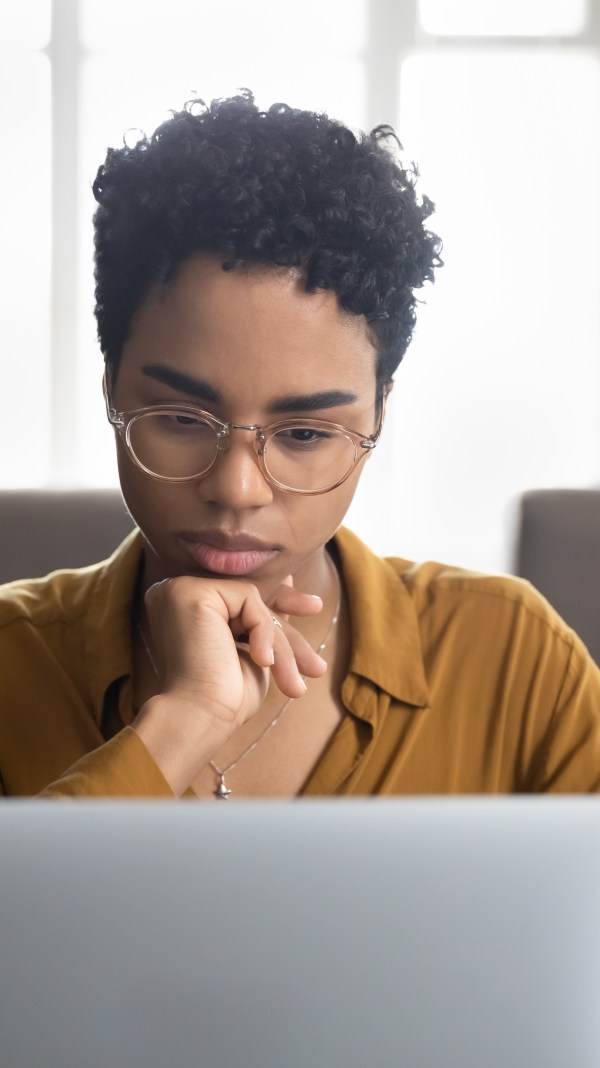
{"x": 124, "y": 421}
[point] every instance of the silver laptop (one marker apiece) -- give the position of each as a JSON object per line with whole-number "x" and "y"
{"x": 457, "y": 933}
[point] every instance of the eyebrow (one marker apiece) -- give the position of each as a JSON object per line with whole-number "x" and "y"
{"x": 311, "y": 402}
{"x": 295, "y": 402}
{"x": 196, "y": 387}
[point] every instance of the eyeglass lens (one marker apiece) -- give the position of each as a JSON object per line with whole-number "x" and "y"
{"x": 183, "y": 445}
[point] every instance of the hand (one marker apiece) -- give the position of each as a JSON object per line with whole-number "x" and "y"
{"x": 195, "y": 624}
{"x": 208, "y": 687}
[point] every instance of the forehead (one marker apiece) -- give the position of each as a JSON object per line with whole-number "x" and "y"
{"x": 256, "y": 324}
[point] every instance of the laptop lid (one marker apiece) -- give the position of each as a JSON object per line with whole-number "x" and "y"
{"x": 458, "y": 933}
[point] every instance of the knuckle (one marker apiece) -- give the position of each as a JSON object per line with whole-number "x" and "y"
{"x": 253, "y": 592}
{"x": 183, "y": 592}
{"x": 177, "y": 584}
{"x": 181, "y": 589}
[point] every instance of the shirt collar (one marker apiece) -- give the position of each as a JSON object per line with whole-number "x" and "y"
{"x": 386, "y": 642}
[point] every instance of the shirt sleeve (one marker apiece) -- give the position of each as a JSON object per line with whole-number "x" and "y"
{"x": 122, "y": 767}
{"x": 569, "y": 759}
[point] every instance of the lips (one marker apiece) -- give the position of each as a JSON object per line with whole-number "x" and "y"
{"x": 227, "y": 554}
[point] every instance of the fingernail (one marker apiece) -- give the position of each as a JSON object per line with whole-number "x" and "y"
{"x": 271, "y": 660}
{"x": 324, "y": 662}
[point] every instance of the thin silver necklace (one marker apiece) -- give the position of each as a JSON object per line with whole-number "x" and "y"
{"x": 222, "y": 791}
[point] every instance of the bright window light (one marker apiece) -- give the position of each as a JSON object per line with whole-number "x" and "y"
{"x": 25, "y": 271}
{"x": 229, "y": 30}
{"x": 25, "y": 23}
{"x": 537, "y": 18}
{"x": 500, "y": 392}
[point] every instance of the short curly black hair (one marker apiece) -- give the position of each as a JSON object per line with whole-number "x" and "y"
{"x": 281, "y": 188}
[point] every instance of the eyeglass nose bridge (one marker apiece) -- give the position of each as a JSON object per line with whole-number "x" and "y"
{"x": 224, "y": 436}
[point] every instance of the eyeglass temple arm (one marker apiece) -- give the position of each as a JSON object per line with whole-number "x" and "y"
{"x": 371, "y": 441}
{"x": 113, "y": 415}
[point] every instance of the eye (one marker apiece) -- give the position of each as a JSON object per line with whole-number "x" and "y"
{"x": 299, "y": 437}
{"x": 183, "y": 421}
{"x": 308, "y": 433}
{"x": 187, "y": 420}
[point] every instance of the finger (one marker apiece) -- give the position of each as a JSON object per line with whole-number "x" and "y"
{"x": 281, "y": 647}
{"x": 291, "y": 666}
{"x": 259, "y": 677}
{"x": 308, "y": 660}
{"x": 287, "y": 601}
{"x": 268, "y": 647}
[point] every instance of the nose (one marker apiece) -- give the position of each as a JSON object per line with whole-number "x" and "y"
{"x": 236, "y": 480}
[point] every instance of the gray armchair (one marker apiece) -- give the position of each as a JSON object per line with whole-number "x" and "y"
{"x": 41, "y": 530}
{"x": 558, "y": 550}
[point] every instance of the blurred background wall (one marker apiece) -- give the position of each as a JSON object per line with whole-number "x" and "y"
{"x": 498, "y": 101}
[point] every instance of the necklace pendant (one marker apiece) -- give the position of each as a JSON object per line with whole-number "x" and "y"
{"x": 222, "y": 793}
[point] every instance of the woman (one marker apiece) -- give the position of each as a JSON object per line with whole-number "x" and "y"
{"x": 255, "y": 293}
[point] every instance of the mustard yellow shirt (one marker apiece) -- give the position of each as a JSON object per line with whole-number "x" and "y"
{"x": 457, "y": 683}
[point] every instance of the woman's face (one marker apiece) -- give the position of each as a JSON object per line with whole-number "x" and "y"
{"x": 245, "y": 346}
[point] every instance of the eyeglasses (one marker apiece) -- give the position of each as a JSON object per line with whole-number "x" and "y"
{"x": 178, "y": 443}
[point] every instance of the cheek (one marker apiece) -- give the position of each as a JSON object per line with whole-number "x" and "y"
{"x": 143, "y": 495}
{"x": 129, "y": 475}
{"x": 316, "y": 519}
{"x": 341, "y": 498}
